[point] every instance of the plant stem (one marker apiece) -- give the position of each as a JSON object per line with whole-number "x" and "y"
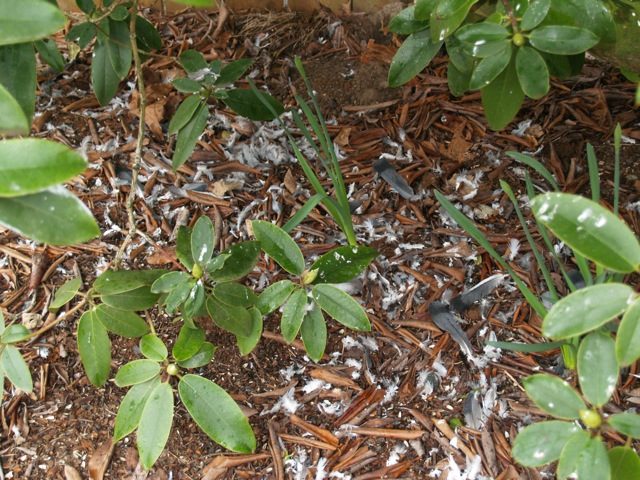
{"x": 137, "y": 158}
{"x": 49, "y": 326}
{"x": 512, "y": 17}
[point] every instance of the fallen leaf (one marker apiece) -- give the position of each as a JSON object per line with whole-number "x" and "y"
{"x": 71, "y": 473}
{"x": 100, "y": 460}
{"x": 221, "y": 187}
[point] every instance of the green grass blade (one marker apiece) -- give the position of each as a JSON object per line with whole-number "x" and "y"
{"x": 617, "y": 134}
{"x": 477, "y": 235}
{"x": 304, "y": 211}
{"x": 537, "y": 166}
{"x": 543, "y": 268}
{"x": 545, "y": 237}
{"x": 594, "y": 178}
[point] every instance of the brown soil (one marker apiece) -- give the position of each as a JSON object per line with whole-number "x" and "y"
{"x": 374, "y": 381}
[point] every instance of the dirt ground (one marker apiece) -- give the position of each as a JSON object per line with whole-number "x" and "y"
{"x": 400, "y": 402}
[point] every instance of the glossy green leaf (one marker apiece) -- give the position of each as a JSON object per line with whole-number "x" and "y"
{"x": 183, "y": 247}
{"x": 586, "y": 309}
{"x": 597, "y": 368}
{"x": 458, "y": 81}
{"x": 18, "y": 75}
{"x": 121, "y": 322}
{"x": 248, "y": 343}
{"x": 476, "y": 37}
{"x": 533, "y": 73}
{"x": 65, "y": 293}
{"x": 83, "y": 34}
{"x": 104, "y": 77}
{"x": 502, "y": 98}
{"x": 245, "y": 102}
{"x": 137, "y": 371}
{"x": 274, "y": 296}
{"x": 235, "y": 294}
{"x": 562, "y": 40}
{"x": 412, "y": 57}
{"x": 169, "y": 281}
{"x": 147, "y": 35}
{"x": 139, "y": 299}
{"x": 626, "y": 423}
{"x": 232, "y": 72}
{"x": 489, "y": 68}
{"x": 314, "y": 333}
{"x": 563, "y": 66}
{"x": 424, "y": 8}
{"x": 189, "y": 134}
{"x": 130, "y": 410}
{"x": 12, "y": 118}
{"x": 292, "y": 314}
{"x": 194, "y": 304}
{"x": 542, "y": 443}
{"x": 216, "y": 263}
{"x": 241, "y": 261}
{"x": 50, "y": 54}
{"x": 188, "y": 342}
{"x": 120, "y": 13}
{"x": 184, "y": 113}
{"x": 554, "y": 396}
{"x": 201, "y": 358}
{"x": 185, "y": 85}
{"x": 14, "y": 333}
{"x": 458, "y": 55}
{"x": 202, "y": 240}
{"x": 94, "y": 348}
{"x": 28, "y": 20}
{"x": 236, "y": 320}
{"x": 153, "y": 348}
{"x": 30, "y": 165}
{"x": 448, "y": 16}
{"x": 526, "y": 347}
{"x": 15, "y": 368}
{"x": 593, "y": 15}
{"x": 2, "y": 324}
{"x": 624, "y": 463}
{"x": 216, "y": 413}
{"x": 177, "y": 296}
{"x": 192, "y": 61}
{"x": 341, "y": 307}
{"x": 628, "y": 337}
{"x": 534, "y": 15}
{"x": 343, "y": 264}
{"x": 279, "y": 245}
{"x": 52, "y": 216}
{"x": 594, "y": 461}
{"x": 589, "y": 229}
{"x": 570, "y": 456}
{"x": 111, "y": 282}
{"x": 87, "y": 6}
{"x": 155, "y": 424}
{"x": 405, "y": 23}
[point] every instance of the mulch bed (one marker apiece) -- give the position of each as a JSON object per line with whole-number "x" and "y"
{"x": 381, "y": 405}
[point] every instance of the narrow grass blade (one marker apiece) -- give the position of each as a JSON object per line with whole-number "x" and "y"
{"x": 537, "y": 166}
{"x": 304, "y": 211}
{"x": 594, "y": 178}
{"x": 534, "y": 248}
{"x": 477, "y": 235}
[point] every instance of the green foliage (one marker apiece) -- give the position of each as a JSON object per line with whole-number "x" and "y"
{"x": 303, "y": 303}
{"x": 506, "y": 54}
{"x": 586, "y": 317}
{"x": 212, "y": 81}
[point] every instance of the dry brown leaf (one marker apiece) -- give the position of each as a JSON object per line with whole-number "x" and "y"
{"x": 100, "y": 460}
{"x": 221, "y": 187}
{"x": 71, "y": 473}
